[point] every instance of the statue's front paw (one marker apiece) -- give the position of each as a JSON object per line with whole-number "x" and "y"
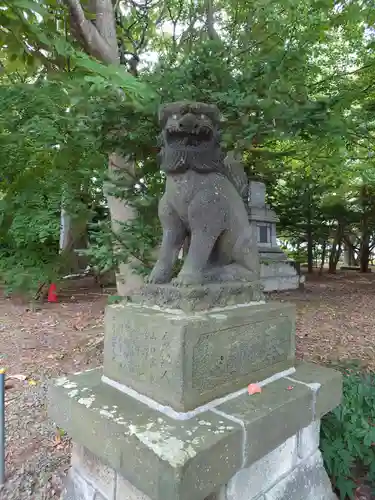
{"x": 184, "y": 279}
{"x": 159, "y": 275}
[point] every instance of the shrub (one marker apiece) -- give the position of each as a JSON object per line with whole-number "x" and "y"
{"x": 348, "y": 434}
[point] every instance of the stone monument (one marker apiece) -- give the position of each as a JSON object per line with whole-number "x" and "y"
{"x": 276, "y": 271}
{"x": 170, "y": 416}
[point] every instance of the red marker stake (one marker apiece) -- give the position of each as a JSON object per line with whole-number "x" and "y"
{"x": 52, "y": 296}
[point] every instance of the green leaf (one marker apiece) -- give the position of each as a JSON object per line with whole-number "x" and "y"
{"x": 30, "y": 5}
{"x": 62, "y": 47}
{"x": 346, "y": 487}
{"x": 115, "y": 299}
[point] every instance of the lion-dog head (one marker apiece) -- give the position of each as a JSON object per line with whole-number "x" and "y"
{"x": 190, "y": 137}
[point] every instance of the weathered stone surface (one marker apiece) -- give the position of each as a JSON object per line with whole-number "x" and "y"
{"x": 126, "y": 491}
{"x": 220, "y": 495}
{"x": 327, "y": 384}
{"x": 259, "y": 477}
{"x": 277, "y": 476}
{"x": 271, "y": 417}
{"x": 77, "y": 488}
{"x": 99, "y": 496}
{"x": 281, "y": 283}
{"x": 185, "y": 360}
{"x": 309, "y": 481}
{"x": 306, "y": 481}
{"x": 308, "y": 440}
{"x": 180, "y": 459}
{"x": 199, "y": 297}
{"x": 278, "y": 275}
{"x": 81, "y": 487}
{"x": 94, "y": 470}
{"x": 169, "y": 459}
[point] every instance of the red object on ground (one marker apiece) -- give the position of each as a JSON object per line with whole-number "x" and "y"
{"x": 52, "y": 296}
{"x": 254, "y": 389}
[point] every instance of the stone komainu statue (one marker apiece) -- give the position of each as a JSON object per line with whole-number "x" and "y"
{"x": 203, "y": 201}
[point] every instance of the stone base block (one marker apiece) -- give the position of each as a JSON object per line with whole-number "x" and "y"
{"x": 199, "y": 297}
{"x": 169, "y": 459}
{"x": 90, "y": 479}
{"x": 282, "y": 283}
{"x": 279, "y": 275}
{"x": 185, "y": 360}
{"x": 280, "y": 475}
{"x": 292, "y": 471}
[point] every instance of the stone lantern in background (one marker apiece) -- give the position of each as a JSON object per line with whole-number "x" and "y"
{"x": 277, "y": 272}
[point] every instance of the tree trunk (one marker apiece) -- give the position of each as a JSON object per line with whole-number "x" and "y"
{"x": 332, "y": 263}
{"x": 65, "y": 229}
{"x": 67, "y": 243}
{"x": 126, "y": 278}
{"x": 364, "y": 262}
{"x": 336, "y": 249}
{"x": 349, "y": 255}
{"x": 310, "y": 247}
{"x": 309, "y": 229}
{"x": 364, "y": 252}
{"x": 100, "y": 41}
{"x": 210, "y": 21}
{"x": 323, "y": 257}
{"x": 73, "y": 236}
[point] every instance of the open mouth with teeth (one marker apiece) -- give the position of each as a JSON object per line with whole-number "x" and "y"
{"x": 197, "y": 137}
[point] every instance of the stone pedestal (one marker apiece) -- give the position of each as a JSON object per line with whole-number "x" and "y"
{"x": 169, "y": 417}
{"x": 184, "y": 360}
{"x": 293, "y": 471}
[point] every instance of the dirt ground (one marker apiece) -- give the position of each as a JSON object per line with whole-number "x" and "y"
{"x": 335, "y": 322}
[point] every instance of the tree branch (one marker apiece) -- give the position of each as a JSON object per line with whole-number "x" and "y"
{"x": 95, "y": 43}
{"x": 344, "y": 73}
{"x": 105, "y": 22}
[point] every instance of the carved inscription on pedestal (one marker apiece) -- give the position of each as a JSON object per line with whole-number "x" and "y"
{"x": 144, "y": 355}
{"x": 226, "y": 354}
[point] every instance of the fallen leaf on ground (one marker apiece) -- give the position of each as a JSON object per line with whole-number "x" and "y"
{"x": 18, "y": 377}
{"x": 254, "y": 389}
{"x": 60, "y": 432}
{"x": 57, "y": 439}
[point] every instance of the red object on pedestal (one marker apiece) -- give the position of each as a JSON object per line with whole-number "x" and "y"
{"x": 52, "y": 296}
